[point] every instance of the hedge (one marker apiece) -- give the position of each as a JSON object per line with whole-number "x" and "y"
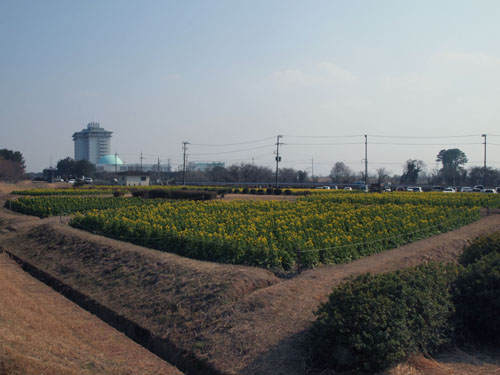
{"x": 373, "y": 322}
{"x": 480, "y": 247}
{"x": 175, "y": 194}
{"x": 477, "y": 294}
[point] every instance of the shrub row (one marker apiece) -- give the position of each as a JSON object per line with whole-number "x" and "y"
{"x": 477, "y": 295}
{"x": 194, "y": 195}
{"x": 373, "y": 322}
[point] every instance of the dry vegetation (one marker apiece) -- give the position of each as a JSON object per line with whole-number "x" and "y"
{"x": 42, "y": 333}
{"x": 236, "y": 319}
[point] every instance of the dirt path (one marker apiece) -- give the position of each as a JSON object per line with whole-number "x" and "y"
{"x": 43, "y": 333}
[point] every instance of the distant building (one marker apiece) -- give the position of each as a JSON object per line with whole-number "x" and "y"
{"x": 92, "y": 143}
{"x": 110, "y": 163}
{"x": 133, "y": 179}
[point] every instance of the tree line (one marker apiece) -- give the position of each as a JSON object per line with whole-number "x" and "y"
{"x": 452, "y": 171}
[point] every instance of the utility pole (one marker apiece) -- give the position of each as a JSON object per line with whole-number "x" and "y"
{"x": 159, "y": 171}
{"x": 141, "y": 161}
{"x": 366, "y": 160}
{"x": 484, "y": 166}
{"x": 278, "y": 157}
{"x": 184, "y": 149}
{"x": 312, "y": 170}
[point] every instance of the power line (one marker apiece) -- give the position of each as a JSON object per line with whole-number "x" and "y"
{"x": 231, "y": 144}
{"x": 230, "y": 152}
{"x": 324, "y": 136}
{"x": 325, "y": 144}
{"x": 424, "y": 144}
{"x": 422, "y": 137}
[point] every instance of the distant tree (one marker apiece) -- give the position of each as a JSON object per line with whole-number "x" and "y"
{"x": 342, "y": 173}
{"x": 65, "y": 167}
{"x": 382, "y": 175}
{"x": 84, "y": 168}
{"x": 219, "y": 174}
{"x": 411, "y": 171}
{"x": 288, "y": 175}
{"x": 12, "y": 165}
{"x": 475, "y": 176}
{"x": 301, "y": 176}
{"x": 254, "y": 173}
{"x": 453, "y": 161}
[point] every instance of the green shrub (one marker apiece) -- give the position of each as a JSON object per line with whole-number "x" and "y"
{"x": 302, "y": 192}
{"x": 277, "y": 191}
{"x": 245, "y": 190}
{"x": 288, "y": 192}
{"x": 175, "y": 194}
{"x": 372, "y": 322}
{"x": 253, "y": 191}
{"x": 477, "y": 299}
{"x": 269, "y": 191}
{"x": 140, "y": 193}
{"x": 261, "y": 192}
{"x": 118, "y": 193}
{"x": 480, "y": 247}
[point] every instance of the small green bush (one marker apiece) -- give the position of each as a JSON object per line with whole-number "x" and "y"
{"x": 477, "y": 299}
{"x": 175, "y": 194}
{"x": 288, "y": 192}
{"x": 277, "y": 191}
{"x": 253, "y": 191}
{"x": 302, "y": 192}
{"x": 269, "y": 191}
{"x": 245, "y": 190}
{"x": 480, "y": 247}
{"x": 261, "y": 192}
{"x": 118, "y": 193}
{"x": 137, "y": 193}
{"x": 372, "y": 322}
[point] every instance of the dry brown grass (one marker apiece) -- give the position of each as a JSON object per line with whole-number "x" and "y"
{"x": 42, "y": 333}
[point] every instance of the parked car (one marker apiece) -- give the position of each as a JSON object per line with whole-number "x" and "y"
{"x": 466, "y": 189}
{"x": 437, "y": 188}
{"x": 88, "y": 180}
{"x": 490, "y": 191}
{"x": 415, "y": 189}
{"x": 71, "y": 181}
{"x": 479, "y": 187}
{"x": 497, "y": 189}
{"x": 449, "y": 190}
{"x": 348, "y": 188}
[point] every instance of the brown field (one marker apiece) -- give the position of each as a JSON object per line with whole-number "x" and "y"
{"x": 231, "y": 319}
{"x": 42, "y": 333}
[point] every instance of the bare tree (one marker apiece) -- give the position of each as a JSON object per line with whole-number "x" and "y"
{"x": 341, "y": 173}
{"x": 382, "y": 175}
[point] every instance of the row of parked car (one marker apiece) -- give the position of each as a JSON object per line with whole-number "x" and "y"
{"x": 464, "y": 189}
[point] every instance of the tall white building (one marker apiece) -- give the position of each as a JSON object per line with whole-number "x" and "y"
{"x": 92, "y": 143}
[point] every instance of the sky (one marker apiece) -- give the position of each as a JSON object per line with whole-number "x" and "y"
{"x": 228, "y": 77}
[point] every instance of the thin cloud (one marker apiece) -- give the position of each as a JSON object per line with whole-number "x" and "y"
{"x": 321, "y": 75}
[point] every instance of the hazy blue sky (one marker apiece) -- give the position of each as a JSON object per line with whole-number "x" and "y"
{"x": 157, "y": 73}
